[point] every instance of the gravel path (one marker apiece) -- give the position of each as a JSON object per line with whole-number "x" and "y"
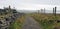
{"x": 30, "y": 23}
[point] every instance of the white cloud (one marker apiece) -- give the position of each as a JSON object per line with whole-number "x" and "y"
{"x": 30, "y": 4}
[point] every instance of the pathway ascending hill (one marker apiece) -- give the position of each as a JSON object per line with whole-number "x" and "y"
{"x": 30, "y": 23}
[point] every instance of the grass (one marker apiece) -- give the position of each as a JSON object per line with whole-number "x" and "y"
{"x": 47, "y": 21}
{"x": 18, "y": 23}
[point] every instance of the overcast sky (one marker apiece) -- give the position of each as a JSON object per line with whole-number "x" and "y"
{"x": 31, "y": 4}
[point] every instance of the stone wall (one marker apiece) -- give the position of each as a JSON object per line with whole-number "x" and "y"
{"x": 7, "y": 19}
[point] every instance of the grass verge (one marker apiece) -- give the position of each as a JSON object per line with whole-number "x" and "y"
{"x": 18, "y": 23}
{"x": 46, "y": 21}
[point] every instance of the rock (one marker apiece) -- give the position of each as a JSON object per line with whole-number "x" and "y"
{"x": 3, "y": 24}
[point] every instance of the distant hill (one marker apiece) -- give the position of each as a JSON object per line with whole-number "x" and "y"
{"x": 32, "y": 11}
{"x": 26, "y": 11}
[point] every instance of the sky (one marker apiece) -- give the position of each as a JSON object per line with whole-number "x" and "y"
{"x": 30, "y": 4}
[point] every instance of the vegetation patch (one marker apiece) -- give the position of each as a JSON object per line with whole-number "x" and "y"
{"x": 18, "y": 23}
{"x": 46, "y": 21}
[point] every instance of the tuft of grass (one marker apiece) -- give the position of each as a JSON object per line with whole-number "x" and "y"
{"x": 18, "y": 23}
{"x": 15, "y": 25}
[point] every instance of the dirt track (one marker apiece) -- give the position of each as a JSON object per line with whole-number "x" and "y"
{"x": 30, "y": 23}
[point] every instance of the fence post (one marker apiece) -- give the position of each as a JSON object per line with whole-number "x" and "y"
{"x": 55, "y": 11}
{"x": 44, "y": 10}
